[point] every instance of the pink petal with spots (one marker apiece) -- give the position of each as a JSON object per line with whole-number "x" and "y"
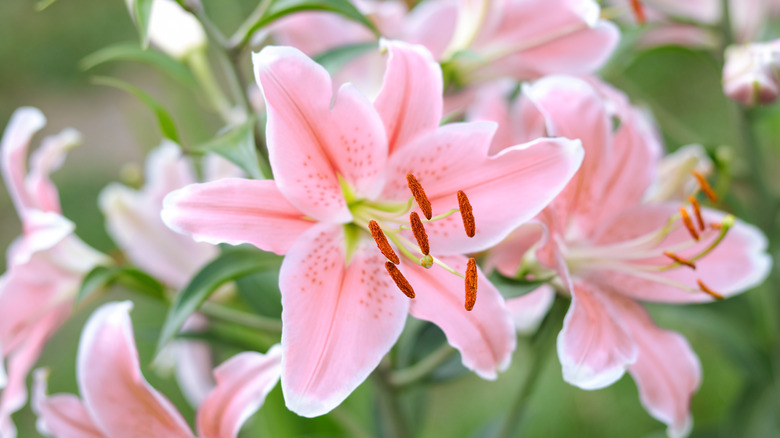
{"x": 340, "y": 318}
{"x": 667, "y": 371}
{"x": 24, "y": 123}
{"x": 595, "y": 347}
{"x": 738, "y": 263}
{"x": 410, "y": 101}
{"x": 529, "y": 310}
{"x": 116, "y": 395}
{"x": 235, "y": 211}
{"x": 243, "y": 382}
{"x": 61, "y": 415}
{"x": 504, "y": 190}
{"x": 485, "y": 336}
{"x": 314, "y": 138}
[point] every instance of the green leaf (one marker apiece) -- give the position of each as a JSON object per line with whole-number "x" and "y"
{"x": 142, "y": 11}
{"x": 512, "y": 288}
{"x": 238, "y": 146}
{"x": 261, "y": 292}
{"x": 164, "y": 119}
{"x": 131, "y": 52}
{"x": 281, "y": 8}
{"x": 335, "y": 59}
{"x": 43, "y": 4}
{"x": 233, "y": 263}
{"x": 135, "y": 279}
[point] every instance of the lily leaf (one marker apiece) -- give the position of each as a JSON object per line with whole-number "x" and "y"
{"x": 142, "y": 11}
{"x": 238, "y": 146}
{"x": 233, "y": 263}
{"x": 335, "y": 59}
{"x": 135, "y": 279}
{"x": 131, "y": 52}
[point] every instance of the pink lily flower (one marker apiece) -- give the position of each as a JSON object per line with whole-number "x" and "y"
{"x": 340, "y": 162}
{"x": 611, "y": 250}
{"x": 45, "y": 264}
{"x": 117, "y": 402}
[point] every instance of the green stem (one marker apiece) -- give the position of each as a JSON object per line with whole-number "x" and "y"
{"x": 394, "y": 422}
{"x": 241, "y": 37}
{"x": 349, "y": 423}
{"x": 227, "y": 314}
{"x": 422, "y": 368}
{"x": 199, "y": 65}
{"x": 542, "y": 343}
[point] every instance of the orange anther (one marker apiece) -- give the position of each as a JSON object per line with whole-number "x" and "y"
{"x": 471, "y": 284}
{"x": 705, "y": 186}
{"x": 639, "y": 11}
{"x": 709, "y": 291}
{"x": 697, "y": 212}
{"x": 419, "y": 196}
{"x": 382, "y": 243}
{"x": 688, "y": 223}
{"x": 399, "y": 279}
{"x": 466, "y": 213}
{"x": 419, "y": 233}
{"x": 680, "y": 260}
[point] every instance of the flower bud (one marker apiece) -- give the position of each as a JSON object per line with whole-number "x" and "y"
{"x": 750, "y": 74}
{"x": 172, "y": 29}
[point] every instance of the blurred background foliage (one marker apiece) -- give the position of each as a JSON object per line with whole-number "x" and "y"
{"x": 737, "y": 340}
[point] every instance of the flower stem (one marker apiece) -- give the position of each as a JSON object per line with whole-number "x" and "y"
{"x": 542, "y": 343}
{"x": 226, "y": 314}
{"x": 393, "y": 422}
{"x": 422, "y": 368}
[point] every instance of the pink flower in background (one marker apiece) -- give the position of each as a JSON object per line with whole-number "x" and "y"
{"x": 45, "y": 264}
{"x": 117, "y": 402}
{"x": 611, "y": 250}
{"x": 751, "y": 73}
{"x": 341, "y": 161}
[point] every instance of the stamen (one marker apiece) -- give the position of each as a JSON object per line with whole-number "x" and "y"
{"x": 680, "y": 260}
{"x": 709, "y": 291}
{"x": 688, "y": 223}
{"x": 697, "y": 212}
{"x": 399, "y": 280}
{"x": 419, "y": 195}
{"x": 466, "y": 213}
{"x": 639, "y": 11}
{"x": 419, "y": 233}
{"x": 471, "y": 284}
{"x": 382, "y": 243}
{"x": 705, "y": 186}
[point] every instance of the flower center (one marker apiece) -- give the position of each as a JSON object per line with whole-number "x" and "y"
{"x": 389, "y": 224}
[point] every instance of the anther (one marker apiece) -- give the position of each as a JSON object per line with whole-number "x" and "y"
{"x": 466, "y": 213}
{"x": 471, "y": 284}
{"x": 709, "y": 291}
{"x": 688, "y": 223}
{"x": 399, "y": 279}
{"x": 419, "y": 196}
{"x": 382, "y": 243}
{"x": 697, "y": 212}
{"x": 680, "y": 260}
{"x": 705, "y": 186}
{"x": 419, "y": 233}
{"x": 639, "y": 11}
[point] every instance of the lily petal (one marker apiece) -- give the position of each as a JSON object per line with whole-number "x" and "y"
{"x": 243, "y": 382}
{"x": 116, "y": 395}
{"x": 529, "y": 310}
{"x": 505, "y": 190}
{"x": 61, "y": 415}
{"x": 410, "y": 99}
{"x": 235, "y": 211}
{"x": 484, "y": 336}
{"x": 315, "y": 138}
{"x": 24, "y": 123}
{"x": 339, "y": 318}
{"x": 594, "y": 346}
{"x": 667, "y": 371}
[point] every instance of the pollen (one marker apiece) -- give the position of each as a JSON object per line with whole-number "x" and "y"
{"x": 382, "y": 243}
{"x": 471, "y": 284}
{"x": 689, "y": 223}
{"x": 639, "y": 11}
{"x": 704, "y": 288}
{"x": 466, "y": 213}
{"x": 697, "y": 212}
{"x": 680, "y": 260}
{"x": 419, "y": 233}
{"x": 419, "y": 196}
{"x": 705, "y": 186}
{"x": 399, "y": 279}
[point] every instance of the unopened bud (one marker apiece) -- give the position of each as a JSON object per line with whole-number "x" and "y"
{"x": 750, "y": 74}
